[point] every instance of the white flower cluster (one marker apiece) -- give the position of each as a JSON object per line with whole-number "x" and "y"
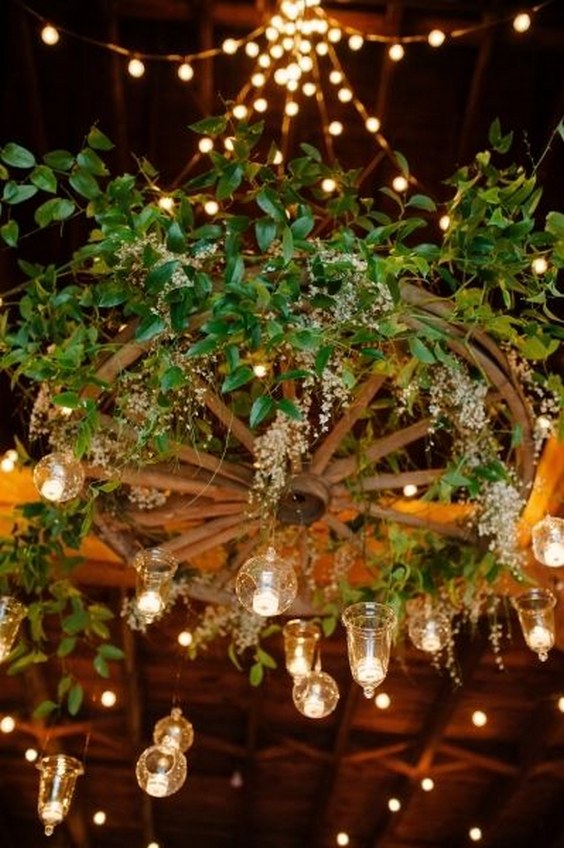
{"x": 146, "y": 498}
{"x": 38, "y": 420}
{"x": 277, "y": 451}
{"x": 500, "y": 508}
{"x": 544, "y": 405}
{"x": 242, "y": 627}
{"x": 331, "y": 388}
{"x": 459, "y": 401}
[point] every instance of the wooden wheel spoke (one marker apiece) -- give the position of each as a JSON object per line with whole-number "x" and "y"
{"x": 379, "y": 482}
{"x": 155, "y": 477}
{"x": 229, "y": 420}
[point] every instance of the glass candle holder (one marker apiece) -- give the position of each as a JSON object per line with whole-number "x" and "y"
{"x": 11, "y": 615}
{"x": 174, "y": 731}
{"x": 315, "y": 695}
{"x": 155, "y": 570}
{"x": 535, "y": 609}
{"x": 428, "y": 628}
{"x": 301, "y": 639}
{"x": 161, "y": 770}
{"x": 266, "y": 584}
{"x": 369, "y": 628}
{"x": 56, "y": 788}
{"x": 548, "y": 541}
{"x": 58, "y": 477}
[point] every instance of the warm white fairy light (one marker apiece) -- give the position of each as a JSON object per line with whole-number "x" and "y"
{"x": 260, "y": 370}
{"x": 31, "y": 755}
{"x": 345, "y": 95}
{"x": 396, "y": 52}
{"x": 342, "y": 838}
{"x": 153, "y": 845}
{"x": 240, "y": 111}
{"x": 260, "y": 104}
{"x": 539, "y": 265}
{"x": 7, "y": 464}
{"x": 230, "y": 46}
{"x": 271, "y": 33}
{"x": 185, "y": 72}
{"x": 205, "y": 144}
{"x": 475, "y": 834}
{"x": 383, "y": 701}
{"x": 8, "y": 724}
{"x": 309, "y": 89}
{"x": 166, "y": 202}
{"x": 400, "y": 183}
{"x": 444, "y": 222}
{"x": 335, "y": 77}
{"x": 276, "y": 51}
{"x": 479, "y": 718}
{"x": 258, "y": 79}
{"x": 229, "y": 143}
{"x": 521, "y": 22}
{"x": 427, "y": 784}
{"x": 334, "y": 35}
{"x": 288, "y": 43}
{"x": 356, "y": 41}
{"x": 294, "y": 71}
{"x": 263, "y": 60}
{"x": 328, "y": 185}
{"x": 280, "y": 76}
{"x": 291, "y": 108}
{"x": 108, "y": 698}
{"x": 394, "y": 805}
{"x": 211, "y": 207}
{"x": 49, "y": 35}
{"x": 335, "y": 128}
{"x": 436, "y": 37}
{"x": 185, "y": 638}
{"x": 292, "y": 85}
{"x": 252, "y": 49}
{"x": 561, "y": 703}
{"x": 409, "y": 490}
{"x": 372, "y": 124}
{"x": 136, "y": 68}
{"x": 99, "y": 818}
{"x": 305, "y": 45}
{"x": 321, "y": 48}
{"x": 278, "y": 158}
{"x": 306, "y": 64}
{"x": 277, "y": 21}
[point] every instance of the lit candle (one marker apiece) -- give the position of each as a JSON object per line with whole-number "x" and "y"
{"x": 540, "y": 638}
{"x": 314, "y": 705}
{"x": 298, "y": 665}
{"x": 554, "y": 554}
{"x": 52, "y": 489}
{"x": 370, "y": 671}
{"x": 52, "y": 813}
{"x": 157, "y": 785}
{"x": 431, "y": 640}
{"x": 150, "y": 602}
{"x": 266, "y": 600}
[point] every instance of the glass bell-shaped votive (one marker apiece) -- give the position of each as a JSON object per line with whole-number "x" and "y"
{"x": 56, "y": 788}
{"x": 427, "y": 625}
{"x": 266, "y": 584}
{"x": 548, "y": 541}
{"x": 535, "y": 609}
{"x": 155, "y": 570}
{"x": 370, "y": 627}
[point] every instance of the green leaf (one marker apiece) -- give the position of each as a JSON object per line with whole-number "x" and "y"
{"x": 268, "y": 201}
{"x": 421, "y": 201}
{"x": 160, "y": 275}
{"x": 14, "y": 193}
{"x": 91, "y": 162}
{"x": 76, "y": 622}
{"x": 10, "y": 233}
{"x": 500, "y": 143}
{"x": 203, "y": 347}
{"x": 17, "y": 156}
{"x": 289, "y": 408}
{"x": 45, "y": 709}
{"x": 55, "y": 209}
{"x": 68, "y": 399}
{"x": 421, "y": 351}
{"x": 265, "y": 659}
{"x": 402, "y": 163}
{"x": 75, "y": 698}
{"x": 84, "y": 184}
{"x": 66, "y": 646}
{"x": 98, "y": 140}
{"x": 60, "y": 160}
{"x": 173, "y": 378}
{"x": 555, "y": 224}
{"x": 302, "y": 226}
{"x": 265, "y": 232}
{"x": 256, "y": 674}
{"x": 101, "y": 666}
{"x": 149, "y": 327}
{"x": 43, "y": 177}
{"x": 237, "y": 378}
{"x": 214, "y": 125}
{"x": 287, "y": 244}
{"x": 176, "y": 238}
{"x": 111, "y": 652}
{"x": 229, "y": 181}
{"x": 261, "y": 409}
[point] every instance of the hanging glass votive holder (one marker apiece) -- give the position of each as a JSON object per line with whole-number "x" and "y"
{"x": 58, "y": 477}
{"x": 548, "y": 541}
{"x": 266, "y": 584}
{"x": 161, "y": 769}
{"x": 535, "y": 609}
{"x": 370, "y": 627}
{"x": 11, "y": 615}
{"x": 301, "y": 639}
{"x": 428, "y": 627}
{"x": 56, "y": 788}
{"x": 155, "y": 570}
{"x": 316, "y": 694}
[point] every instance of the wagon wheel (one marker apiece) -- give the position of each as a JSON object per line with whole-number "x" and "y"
{"x": 207, "y": 521}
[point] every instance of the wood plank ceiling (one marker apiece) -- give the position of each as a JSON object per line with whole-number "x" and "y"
{"x": 259, "y": 773}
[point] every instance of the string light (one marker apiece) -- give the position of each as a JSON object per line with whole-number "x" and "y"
{"x": 479, "y": 718}
{"x": 328, "y": 185}
{"x": 31, "y": 755}
{"x": 334, "y": 35}
{"x": 185, "y": 72}
{"x": 166, "y": 202}
{"x": 382, "y": 700}
{"x": 205, "y": 144}
{"x": 427, "y": 784}
{"x": 436, "y": 37}
{"x": 229, "y": 143}
{"x": 396, "y": 52}
{"x": 321, "y": 48}
{"x": 99, "y": 818}
{"x": 335, "y": 77}
{"x": 258, "y": 79}
{"x": 260, "y": 104}
{"x": 475, "y": 834}
{"x": 240, "y": 111}
{"x": 521, "y": 22}
{"x": 263, "y": 61}
{"x": 356, "y": 41}
{"x": 50, "y": 35}
{"x": 444, "y": 222}
{"x": 372, "y": 124}
{"x": 335, "y": 128}
{"x": 394, "y": 805}
{"x": 136, "y": 68}
{"x": 309, "y": 89}
{"x": 260, "y": 370}
{"x": 345, "y": 95}
{"x": 400, "y": 183}
{"x": 410, "y": 490}
{"x": 230, "y": 46}
{"x": 278, "y": 158}
{"x": 252, "y": 49}
{"x": 8, "y": 724}
{"x": 185, "y": 638}
{"x": 108, "y": 698}
{"x": 561, "y": 703}
{"x": 539, "y": 265}
{"x": 342, "y": 838}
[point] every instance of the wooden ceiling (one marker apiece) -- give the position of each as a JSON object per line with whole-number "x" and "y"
{"x": 301, "y": 781}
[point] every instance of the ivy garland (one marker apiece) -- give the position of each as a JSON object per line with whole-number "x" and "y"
{"x": 283, "y": 301}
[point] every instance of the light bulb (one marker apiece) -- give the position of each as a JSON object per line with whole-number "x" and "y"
{"x": 436, "y": 37}
{"x": 211, "y": 207}
{"x": 444, "y": 222}
{"x": 328, "y": 185}
{"x": 271, "y": 33}
{"x": 288, "y": 43}
{"x": 400, "y": 183}
{"x": 306, "y": 64}
{"x": 372, "y": 124}
{"x": 315, "y": 695}
{"x": 561, "y": 703}
{"x": 334, "y": 35}
{"x": 205, "y": 144}
{"x": 260, "y": 370}
{"x": 335, "y": 128}
{"x": 356, "y": 41}
{"x": 278, "y": 158}
{"x": 321, "y": 48}
{"x": 410, "y": 490}
{"x": 108, "y": 698}
{"x": 280, "y": 76}
{"x": 479, "y": 718}
{"x": 394, "y": 805}
{"x": 240, "y": 111}
{"x": 539, "y": 265}
{"x": 309, "y": 89}
{"x": 342, "y": 838}
{"x": 382, "y": 700}
{"x": 335, "y": 77}
{"x": 7, "y": 464}
{"x": 266, "y": 601}
{"x": 396, "y": 52}
{"x": 521, "y": 22}
{"x": 263, "y": 61}
{"x": 7, "y": 724}
{"x": 252, "y": 49}
{"x": 136, "y": 68}
{"x": 475, "y": 834}
{"x": 258, "y": 79}
{"x": 305, "y": 45}
{"x": 161, "y": 771}
{"x": 427, "y": 784}
{"x": 99, "y": 818}
{"x": 11, "y": 453}
{"x": 167, "y": 203}
{"x": 540, "y": 638}
{"x": 276, "y": 51}
{"x": 185, "y": 72}
{"x": 49, "y": 35}
{"x": 345, "y": 95}
{"x": 230, "y": 46}
{"x": 260, "y": 104}
{"x": 294, "y": 71}
{"x": 185, "y": 638}
{"x": 292, "y": 108}
{"x": 31, "y": 755}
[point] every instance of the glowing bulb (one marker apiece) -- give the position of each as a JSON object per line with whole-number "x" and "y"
{"x": 240, "y": 111}
{"x": 321, "y": 48}
{"x": 185, "y": 72}
{"x": 8, "y": 724}
{"x": 436, "y": 37}
{"x": 260, "y": 370}
{"x": 12, "y": 454}
{"x": 369, "y": 673}
{"x": 153, "y": 845}
{"x": 277, "y": 21}
{"x": 335, "y": 77}
{"x": 276, "y": 51}
{"x": 263, "y": 61}
{"x": 230, "y": 46}
{"x": 292, "y": 85}
{"x": 335, "y": 128}
{"x": 328, "y": 185}
{"x": 345, "y": 95}
{"x": 136, "y": 68}
{"x": 306, "y": 64}
{"x": 280, "y": 76}
{"x": 294, "y": 71}
{"x": 258, "y": 80}
{"x": 271, "y": 33}
{"x": 309, "y": 89}
{"x": 99, "y": 817}
{"x": 150, "y": 603}
{"x": 427, "y": 784}
{"x": 260, "y": 104}
{"x": 49, "y": 35}
{"x": 444, "y": 222}
{"x": 108, "y": 698}
{"x": 277, "y": 158}
{"x": 305, "y": 46}
{"x": 561, "y": 704}
{"x": 334, "y": 35}
{"x": 288, "y": 43}
{"x": 409, "y": 490}
{"x": 292, "y": 108}
{"x": 396, "y": 52}
{"x": 539, "y": 265}
{"x": 185, "y": 638}
{"x": 382, "y": 700}
{"x": 31, "y": 755}
{"x": 475, "y": 834}
{"x": 399, "y": 183}
{"x": 7, "y": 464}
{"x": 167, "y": 203}
{"x": 211, "y": 207}
{"x": 356, "y": 41}
{"x": 372, "y": 124}
{"x": 394, "y": 805}
{"x": 521, "y": 22}
{"x": 479, "y": 718}
{"x": 342, "y": 838}
{"x": 252, "y": 49}
{"x": 205, "y": 144}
